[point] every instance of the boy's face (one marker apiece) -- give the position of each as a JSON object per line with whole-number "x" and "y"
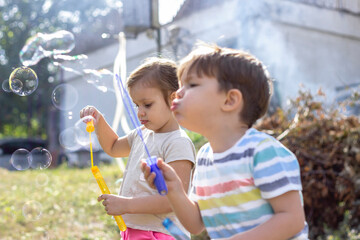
{"x": 152, "y": 110}
{"x": 198, "y": 103}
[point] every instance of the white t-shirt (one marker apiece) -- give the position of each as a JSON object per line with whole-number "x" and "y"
{"x": 170, "y": 146}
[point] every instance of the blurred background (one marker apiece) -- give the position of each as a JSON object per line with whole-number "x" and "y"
{"x": 74, "y": 47}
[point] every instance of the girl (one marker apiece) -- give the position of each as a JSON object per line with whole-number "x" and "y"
{"x": 152, "y": 87}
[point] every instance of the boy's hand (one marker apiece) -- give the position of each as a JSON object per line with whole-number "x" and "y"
{"x": 172, "y": 180}
{"x": 91, "y": 111}
{"x": 114, "y": 205}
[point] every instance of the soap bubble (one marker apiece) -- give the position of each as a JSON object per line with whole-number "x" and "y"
{"x": 40, "y": 158}
{"x": 23, "y": 81}
{"x": 42, "y": 179}
{"x": 59, "y": 42}
{"x": 43, "y": 45}
{"x": 82, "y": 136}
{"x": 32, "y": 210}
{"x": 32, "y": 51}
{"x": 65, "y": 96}
{"x": 6, "y": 86}
{"x": 20, "y": 159}
{"x": 67, "y": 139}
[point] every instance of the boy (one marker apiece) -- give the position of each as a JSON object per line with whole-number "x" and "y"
{"x": 246, "y": 184}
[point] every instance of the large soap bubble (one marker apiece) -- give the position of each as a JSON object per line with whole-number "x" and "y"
{"x": 67, "y": 139}
{"x": 32, "y": 51}
{"x": 20, "y": 159}
{"x": 64, "y": 96}
{"x": 40, "y": 158}
{"x": 23, "y": 81}
{"x": 59, "y": 42}
{"x": 82, "y": 136}
{"x": 43, "y": 45}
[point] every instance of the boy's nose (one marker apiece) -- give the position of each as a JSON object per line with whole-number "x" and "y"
{"x": 180, "y": 92}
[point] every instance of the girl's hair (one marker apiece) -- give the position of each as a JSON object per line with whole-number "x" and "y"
{"x": 232, "y": 69}
{"x": 156, "y": 72}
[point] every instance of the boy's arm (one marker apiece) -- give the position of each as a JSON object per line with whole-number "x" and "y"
{"x": 288, "y": 219}
{"x": 186, "y": 210}
{"x": 154, "y": 204}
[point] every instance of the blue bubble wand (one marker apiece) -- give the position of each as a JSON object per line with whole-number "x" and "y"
{"x": 151, "y": 160}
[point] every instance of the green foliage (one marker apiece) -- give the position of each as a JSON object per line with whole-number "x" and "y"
{"x": 21, "y": 19}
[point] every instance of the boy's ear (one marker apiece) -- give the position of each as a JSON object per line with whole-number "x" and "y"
{"x": 233, "y": 101}
{"x": 172, "y": 96}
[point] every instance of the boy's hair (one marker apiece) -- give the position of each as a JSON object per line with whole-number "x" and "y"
{"x": 232, "y": 69}
{"x": 156, "y": 72}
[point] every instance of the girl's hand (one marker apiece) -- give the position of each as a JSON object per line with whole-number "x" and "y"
{"x": 172, "y": 180}
{"x": 91, "y": 111}
{"x": 114, "y": 205}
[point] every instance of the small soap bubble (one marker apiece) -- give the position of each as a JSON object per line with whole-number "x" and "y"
{"x": 67, "y": 139}
{"x": 20, "y": 159}
{"x": 65, "y": 97}
{"x": 32, "y": 210}
{"x": 23, "y": 81}
{"x": 42, "y": 179}
{"x": 6, "y": 85}
{"x": 32, "y": 51}
{"x": 40, "y": 158}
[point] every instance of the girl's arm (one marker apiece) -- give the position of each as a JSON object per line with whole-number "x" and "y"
{"x": 288, "y": 219}
{"x": 186, "y": 210}
{"x": 110, "y": 142}
{"x": 155, "y": 204}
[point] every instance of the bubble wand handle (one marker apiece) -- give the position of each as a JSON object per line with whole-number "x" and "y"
{"x": 105, "y": 190}
{"x": 99, "y": 179}
{"x": 151, "y": 160}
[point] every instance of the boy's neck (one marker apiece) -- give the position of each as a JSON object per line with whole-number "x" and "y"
{"x": 224, "y": 137}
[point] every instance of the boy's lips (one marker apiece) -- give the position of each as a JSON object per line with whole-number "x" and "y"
{"x": 174, "y": 106}
{"x": 143, "y": 122}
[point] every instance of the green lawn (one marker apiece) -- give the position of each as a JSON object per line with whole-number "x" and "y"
{"x": 55, "y": 204}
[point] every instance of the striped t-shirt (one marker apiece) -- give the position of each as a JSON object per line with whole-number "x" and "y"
{"x": 231, "y": 187}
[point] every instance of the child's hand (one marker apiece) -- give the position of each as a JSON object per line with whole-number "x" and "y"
{"x": 114, "y": 205}
{"x": 91, "y": 111}
{"x": 172, "y": 180}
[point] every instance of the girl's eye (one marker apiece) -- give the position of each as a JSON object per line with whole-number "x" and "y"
{"x": 193, "y": 85}
{"x": 148, "y": 105}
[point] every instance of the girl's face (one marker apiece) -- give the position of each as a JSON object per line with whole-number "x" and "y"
{"x": 152, "y": 110}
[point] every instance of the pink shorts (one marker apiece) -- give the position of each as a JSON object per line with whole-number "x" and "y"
{"x": 136, "y": 234}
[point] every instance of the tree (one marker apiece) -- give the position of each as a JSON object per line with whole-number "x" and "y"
{"x": 20, "y": 19}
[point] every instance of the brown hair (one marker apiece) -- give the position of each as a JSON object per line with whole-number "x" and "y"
{"x": 233, "y": 69}
{"x": 156, "y": 72}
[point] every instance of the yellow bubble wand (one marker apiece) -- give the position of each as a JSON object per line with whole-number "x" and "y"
{"x": 99, "y": 179}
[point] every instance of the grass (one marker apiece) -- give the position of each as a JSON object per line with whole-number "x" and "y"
{"x": 56, "y": 203}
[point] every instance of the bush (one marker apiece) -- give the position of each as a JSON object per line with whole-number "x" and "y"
{"x": 326, "y": 144}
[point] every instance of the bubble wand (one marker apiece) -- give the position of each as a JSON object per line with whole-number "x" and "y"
{"x": 99, "y": 179}
{"x": 151, "y": 160}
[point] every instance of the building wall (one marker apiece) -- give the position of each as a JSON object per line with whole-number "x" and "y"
{"x": 299, "y": 43}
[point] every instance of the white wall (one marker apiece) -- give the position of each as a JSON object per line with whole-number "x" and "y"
{"x": 299, "y": 43}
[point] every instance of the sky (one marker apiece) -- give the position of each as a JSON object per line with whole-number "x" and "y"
{"x": 168, "y": 9}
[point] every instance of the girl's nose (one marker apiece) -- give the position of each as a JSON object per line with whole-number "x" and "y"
{"x": 180, "y": 92}
{"x": 140, "y": 112}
